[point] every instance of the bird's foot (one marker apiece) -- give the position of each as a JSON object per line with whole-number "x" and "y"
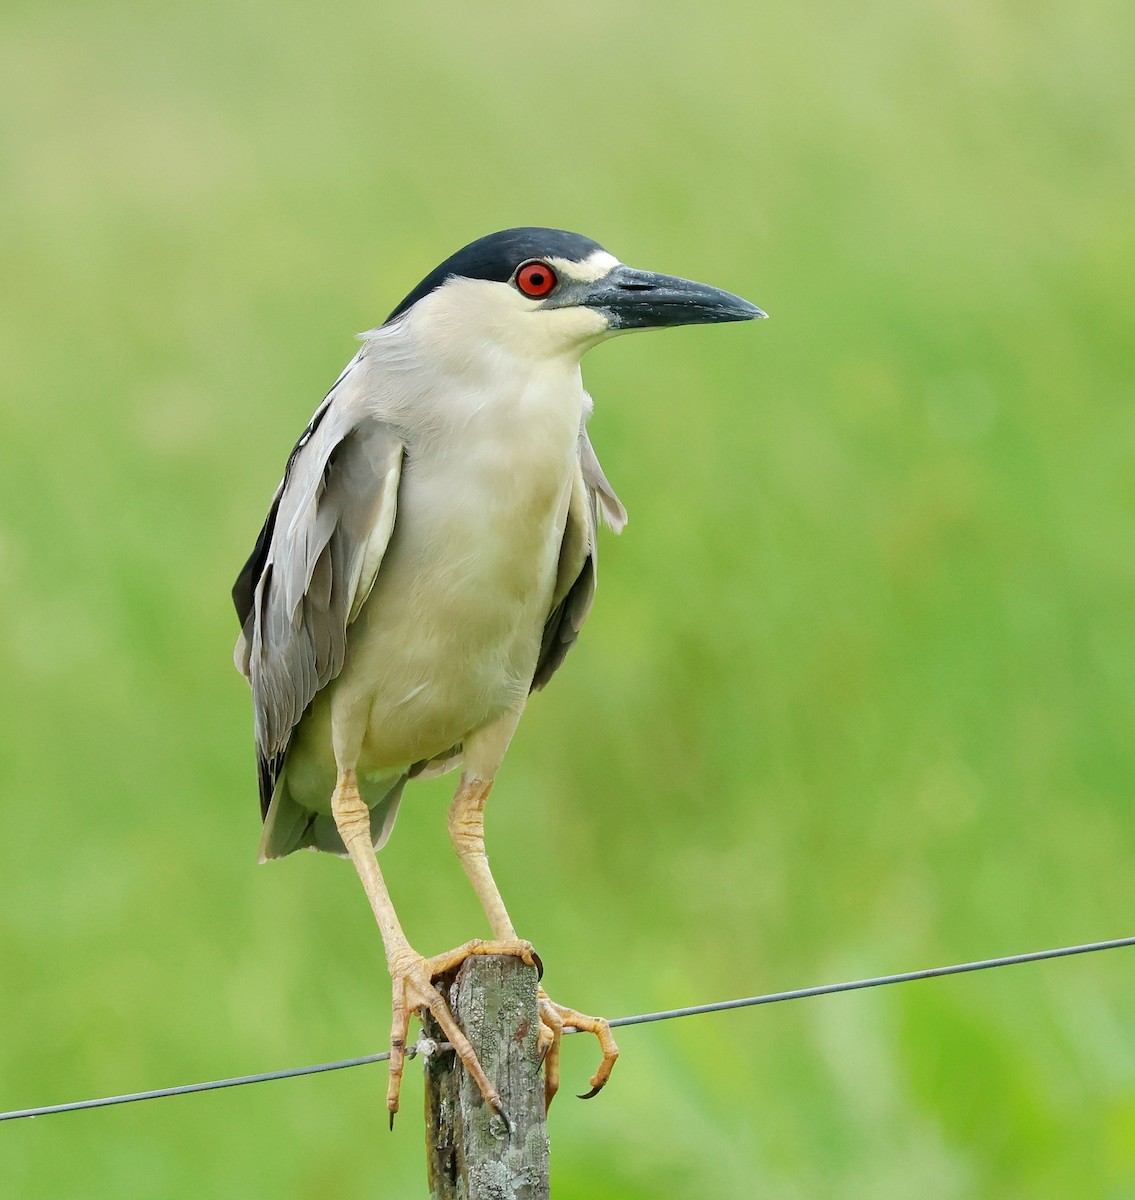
{"x": 412, "y": 977}
{"x": 553, "y": 1018}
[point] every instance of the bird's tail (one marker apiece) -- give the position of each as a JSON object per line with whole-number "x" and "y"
{"x": 290, "y": 825}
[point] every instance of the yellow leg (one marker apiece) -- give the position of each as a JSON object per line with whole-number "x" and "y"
{"x": 411, "y": 974}
{"x": 467, "y": 832}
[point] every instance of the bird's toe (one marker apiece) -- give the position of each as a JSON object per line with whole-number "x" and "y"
{"x": 555, "y": 1018}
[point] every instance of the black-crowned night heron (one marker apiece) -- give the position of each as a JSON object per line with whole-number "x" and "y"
{"x": 427, "y": 563}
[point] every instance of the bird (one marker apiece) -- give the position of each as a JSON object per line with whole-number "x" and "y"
{"x": 427, "y": 562}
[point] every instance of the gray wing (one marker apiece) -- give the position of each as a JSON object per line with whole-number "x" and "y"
{"x": 592, "y": 496}
{"x": 314, "y": 564}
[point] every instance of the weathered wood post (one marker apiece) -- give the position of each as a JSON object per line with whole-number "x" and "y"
{"x": 471, "y": 1153}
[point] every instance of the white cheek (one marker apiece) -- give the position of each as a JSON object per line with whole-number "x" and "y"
{"x": 466, "y": 318}
{"x": 571, "y": 328}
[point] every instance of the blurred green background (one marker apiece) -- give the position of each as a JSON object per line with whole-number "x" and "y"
{"x": 856, "y": 696}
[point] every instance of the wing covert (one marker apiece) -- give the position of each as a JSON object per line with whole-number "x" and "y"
{"x": 592, "y": 497}
{"x": 313, "y": 566}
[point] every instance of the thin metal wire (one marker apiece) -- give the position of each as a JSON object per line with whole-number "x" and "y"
{"x": 185, "y": 1088}
{"x": 641, "y": 1019}
{"x": 828, "y": 989}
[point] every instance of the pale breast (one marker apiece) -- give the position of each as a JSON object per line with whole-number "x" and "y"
{"x": 449, "y": 637}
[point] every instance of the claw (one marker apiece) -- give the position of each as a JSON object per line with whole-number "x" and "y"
{"x": 413, "y": 978}
{"x": 554, "y": 1017}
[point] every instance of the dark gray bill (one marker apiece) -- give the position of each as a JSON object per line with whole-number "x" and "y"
{"x": 634, "y": 299}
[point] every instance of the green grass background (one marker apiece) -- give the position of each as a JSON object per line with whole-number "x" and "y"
{"x": 857, "y": 694}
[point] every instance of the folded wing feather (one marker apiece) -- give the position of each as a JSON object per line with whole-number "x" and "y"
{"x": 313, "y": 567}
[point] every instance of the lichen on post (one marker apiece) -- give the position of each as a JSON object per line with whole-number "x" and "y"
{"x": 472, "y": 1153}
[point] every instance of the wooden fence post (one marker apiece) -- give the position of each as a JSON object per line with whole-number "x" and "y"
{"x": 471, "y": 1153}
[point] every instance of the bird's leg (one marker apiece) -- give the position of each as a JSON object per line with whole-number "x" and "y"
{"x": 411, "y": 974}
{"x": 467, "y": 832}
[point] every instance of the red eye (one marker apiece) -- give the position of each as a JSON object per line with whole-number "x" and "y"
{"x": 535, "y": 279}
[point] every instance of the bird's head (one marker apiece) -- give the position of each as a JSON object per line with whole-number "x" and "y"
{"x": 546, "y": 293}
